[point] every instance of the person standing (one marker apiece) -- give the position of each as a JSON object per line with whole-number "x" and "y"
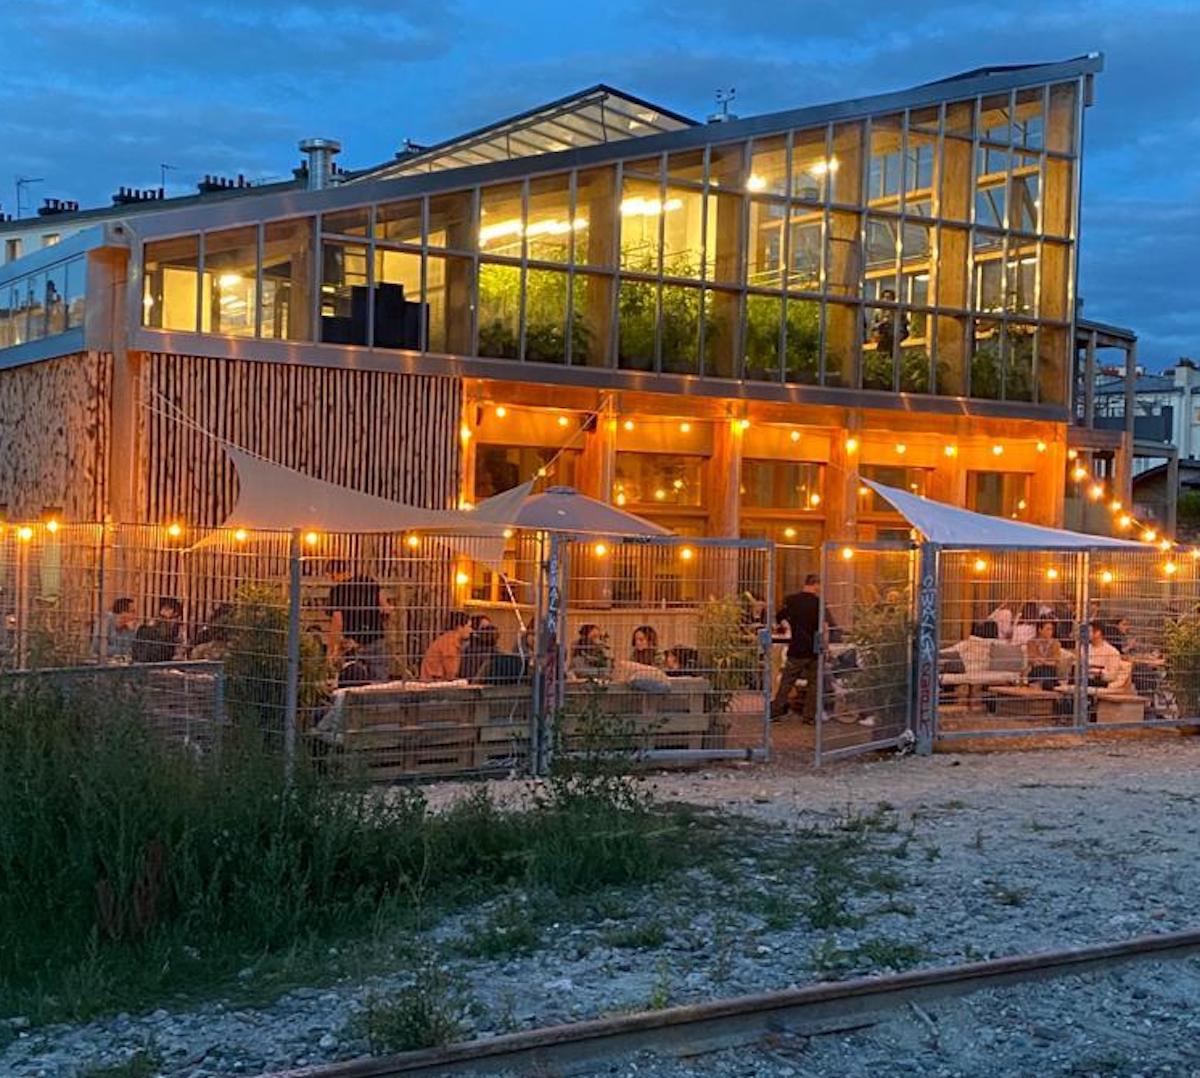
{"x": 802, "y": 612}
{"x": 357, "y": 610}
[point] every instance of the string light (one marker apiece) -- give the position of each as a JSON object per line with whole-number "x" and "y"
{"x": 1125, "y": 520}
{"x": 814, "y": 500}
{"x": 1052, "y": 574}
{"x": 795, "y": 436}
{"x": 563, "y": 421}
{"x": 1170, "y": 568}
{"x": 1078, "y": 473}
{"x": 1116, "y": 506}
{"x": 173, "y": 530}
{"x": 1041, "y": 447}
{"x": 501, "y": 411}
{"x": 629, "y": 424}
{"x": 25, "y": 533}
{"x": 312, "y": 538}
{"x": 997, "y": 450}
{"x": 52, "y": 525}
{"x": 461, "y": 579}
{"x": 1072, "y": 454}
{"x": 1106, "y": 577}
{"x": 980, "y": 565}
{"x": 239, "y": 536}
{"x": 1096, "y": 492}
{"x": 413, "y": 542}
{"x": 851, "y": 445}
{"x": 847, "y": 553}
{"x": 507, "y": 533}
{"x": 1149, "y": 535}
{"x": 901, "y": 448}
{"x": 686, "y": 553}
{"x": 464, "y": 432}
{"x": 743, "y": 424}
{"x": 600, "y": 550}
{"x": 1165, "y": 545}
{"x": 621, "y": 498}
{"x": 951, "y": 451}
{"x": 685, "y": 428}
{"x": 790, "y": 533}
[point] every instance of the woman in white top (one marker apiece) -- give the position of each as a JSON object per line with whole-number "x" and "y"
{"x": 1026, "y": 627}
{"x": 976, "y": 650}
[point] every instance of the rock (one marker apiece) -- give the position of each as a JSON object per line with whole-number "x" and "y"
{"x": 245, "y": 974}
{"x": 327, "y": 1043}
{"x": 19, "y": 1022}
{"x": 562, "y": 984}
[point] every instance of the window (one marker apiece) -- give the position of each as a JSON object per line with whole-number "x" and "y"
{"x": 450, "y": 221}
{"x": 343, "y": 293}
{"x": 765, "y": 253}
{"x": 768, "y": 166}
{"x": 287, "y": 280}
{"x": 913, "y": 480}
{"x": 170, "y": 278}
{"x": 998, "y": 494}
{"x": 501, "y": 221}
{"x": 448, "y": 282}
{"x": 399, "y": 310}
{"x": 50, "y": 239}
{"x": 777, "y": 484}
{"x": 680, "y": 329}
{"x": 764, "y": 318}
{"x": 591, "y": 314}
{"x": 499, "y": 310}
{"x": 683, "y": 246}
{"x": 637, "y": 312}
{"x": 546, "y": 316}
{"x": 230, "y": 282}
{"x": 550, "y": 226}
{"x": 642, "y": 208}
{"x": 659, "y": 479}
{"x": 399, "y": 222}
{"x": 12, "y": 249}
{"x": 594, "y": 217}
{"x": 352, "y": 222}
{"x": 501, "y": 467}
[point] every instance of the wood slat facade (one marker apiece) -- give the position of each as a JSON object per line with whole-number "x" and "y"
{"x": 391, "y": 435}
{"x": 54, "y": 438}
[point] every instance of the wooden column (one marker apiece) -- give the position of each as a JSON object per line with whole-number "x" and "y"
{"x": 724, "y": 479}
{"x": 841, "y": 481}
{"x": 107, "y": 273}
{"x": 597, "y": 461}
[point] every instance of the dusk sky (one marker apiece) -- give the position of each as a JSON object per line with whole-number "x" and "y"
{"x": 95, "y": 94}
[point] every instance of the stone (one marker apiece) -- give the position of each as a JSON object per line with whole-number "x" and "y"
{"x": 327, "y": 1043}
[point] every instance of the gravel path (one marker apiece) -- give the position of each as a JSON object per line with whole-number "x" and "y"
{"x": 974, "y": 856}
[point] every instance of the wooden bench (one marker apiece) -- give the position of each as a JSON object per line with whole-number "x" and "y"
{"x": 1025, "y": 701}
{"x": 678, "y": 717}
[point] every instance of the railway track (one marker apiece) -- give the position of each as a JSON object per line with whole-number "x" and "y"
{"x": 578, "y": 1047}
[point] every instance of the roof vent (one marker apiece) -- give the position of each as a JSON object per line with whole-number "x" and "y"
{"x": 222, "y": 183}
{"x": 321, "y": 171}
{"x": 127, "y": 196}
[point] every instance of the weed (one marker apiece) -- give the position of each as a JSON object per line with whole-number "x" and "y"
{"x": 644, "y": 936}
{"x": 827, "y": 957}
{"x": 778, "y": 911}
{"x": 141, "y": 1064}
{"x": 885, "y": 882}
{"x": 508, "y": 931}
{"x": 932, "y": 854}
{"x": 660, "y": 991}
{"x": 890, "y": 954}
{"x": 430, "y": 1013}
{"x": 1009, "y": 896}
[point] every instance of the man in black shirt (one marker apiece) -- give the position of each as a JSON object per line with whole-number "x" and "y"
{"x": 357, "y": 610}
{"x": 802, "y": 611}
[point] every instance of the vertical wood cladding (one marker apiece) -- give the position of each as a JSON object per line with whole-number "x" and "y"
{"x": 54, "y": 435}
{"x": 392, "y": 435}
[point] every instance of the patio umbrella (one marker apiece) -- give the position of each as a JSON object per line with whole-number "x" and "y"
{"x": 564, "y": 509}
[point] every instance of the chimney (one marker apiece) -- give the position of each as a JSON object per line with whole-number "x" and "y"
{"x": 51, "y": 207}
{"x": 321, "y": 169}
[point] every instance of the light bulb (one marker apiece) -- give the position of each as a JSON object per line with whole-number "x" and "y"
{"x": 629, "y": 424}
{"x": 1149, "y": 535}
{"x": 501, "y": 411}
{"x": 461, "y": 579}
{"x": 951, "y": 451}
{"x": 239, "y": 536}
{"x": 1170, "y": 568}
{"x": 685, "y": 428}
{"x": 1041, "y": 447}
{"x": 847, "y": 553}
{"x": 851, "y": 445}
{"x": 174, "y": 531}
{"x": 413, "y": 542}
{"x": 901, "y": 448}
{"x": 795, "y": 436}
{"x": 997, "y": 450}
{"x": 1106, "y": 577}
{"x": 600, "y": 549}
{"x": 980, "y": 565}
{"x": 312, "y": 538}
{"x": 1051, "y": 574}
{"x": 686, "y": 553}
{"x": 1072, "y": 454}
{"x": 563, "y": 421}
{"x": 790, "y": 533}
{"x": 1096, "y": 492}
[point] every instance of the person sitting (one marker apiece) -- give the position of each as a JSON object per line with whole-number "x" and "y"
{"x": 480, "y": 648}
{"x": 589, "y": 653}
{"x": 442, "y": 660}
{"x": 681, "y": 661}
{"x": 1120, "y": 635}
{"x": 976, "y": 650}
{"x": 1104, "y": 661}
{"x": 644, "y": 646}
{"x": 1027, "y": 626}
{"x": 1042, "y": 656}
{"x": 1003, "y": 618}
{"x": 158, "y": 640}
{"x": 120, "y": 628}
{"x": 212, "y": 638}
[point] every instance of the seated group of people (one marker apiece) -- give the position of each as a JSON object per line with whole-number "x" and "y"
{"x": 162, "y": 639}
{"x": 469, "y": 650}
{"x": 592, "y": 657}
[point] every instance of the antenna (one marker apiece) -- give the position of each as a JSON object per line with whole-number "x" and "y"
{"x": 22, "y": 183}
{"x": 162, "y": 174}
{"x": 723, "y": 115}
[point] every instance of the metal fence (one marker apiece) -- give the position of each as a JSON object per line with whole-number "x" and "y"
{"x": 865, "y": 662}
{"x": 401, "y": 655}
{"x": 1052, "y": 642}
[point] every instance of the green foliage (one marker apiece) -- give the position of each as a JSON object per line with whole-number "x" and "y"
{"x": 727, "y": 646}
{"x": 430, "y": 1013}
{"x": 802, "y": 358}
{"x": 131, "y": 867}
{"x": 1181, "y": 648}
{"x": 508, "y": 931}
{"x": 989, "y": 381}
{"x": 637, "y": 310}
{"x": 761, "y": 343}
{"x": 141, "y": 1064}
{"x": 256, "y": 662}
{"x": 643, "y": 936}
{"x": 882, "y": 636}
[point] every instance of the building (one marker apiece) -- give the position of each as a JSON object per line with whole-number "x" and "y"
{"x": 723, "y": 326}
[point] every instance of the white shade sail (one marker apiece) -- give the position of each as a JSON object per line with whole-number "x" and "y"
{"x": 949, "y": 526}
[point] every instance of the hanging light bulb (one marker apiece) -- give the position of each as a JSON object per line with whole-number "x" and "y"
{"x": 501, "y": 411}
{"x": 851, "y": 445}
{"x": 1149, "y": 535}
{"x": 239, "y": 536}
{"x": 789, "y": 533}
{"x": 413, "y": 542}
{"x": 686, "y": 553}
{"x": 600, "y": 549}
{"x": 685, "y": 428}
{"x": 25, "y": 533}
{"x": 1051, "y": 573}
{"x": 1106, "y": 577}
{"x": 1124, "y": 521}
{"x": 464, "y": 432}
{"x": 1041, "y": 447}
{"x": 1165, "y": 545}
{"x": 173, "y": 530}
{"x": 1072, "y": 454}
{"x": 563, "y": 421}
{"x": 1115, "y": 506}
{"x": 951, "y": 450}
{"x": 629, "y": 424}
{"x": 1078, "y": 473}
{"x": 980, "y": 565}
{"x": 795, "y": 436}
{"x": 997, "y": 450}
{"x": 461, "y": 579}
{"x": 847, "y": 553}
{"x": 312, "y": 538}
{"x": 1170, "y": 568}
{"x": 1096, "y": 492}
{"x": 901, "y": 448}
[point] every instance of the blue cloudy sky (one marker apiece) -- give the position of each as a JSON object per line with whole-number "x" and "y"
{"x": 97, "y": 93}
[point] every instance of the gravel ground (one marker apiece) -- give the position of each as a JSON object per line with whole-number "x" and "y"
{"x": 973, "y": 856}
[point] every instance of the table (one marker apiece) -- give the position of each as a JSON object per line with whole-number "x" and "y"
{"x": 1025, "y": 701}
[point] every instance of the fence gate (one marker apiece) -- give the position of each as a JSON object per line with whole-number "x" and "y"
{"x": 865, "y": 653}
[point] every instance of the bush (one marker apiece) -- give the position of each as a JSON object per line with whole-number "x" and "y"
{"x": 124, "y": 857}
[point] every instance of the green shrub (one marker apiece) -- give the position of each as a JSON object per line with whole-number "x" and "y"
{"x": 1181, "y": 644}
{"x": 430, "y": 1013}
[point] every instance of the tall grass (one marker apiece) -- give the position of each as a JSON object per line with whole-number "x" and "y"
{"x": 124, "y": 857}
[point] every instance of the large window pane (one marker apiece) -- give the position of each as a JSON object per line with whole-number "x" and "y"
{"x": 1025, "y": 193}
{"x": 343, "y": 293}
{"x": 501, "y": 220}
{"x": 989, "y": 271}
{"x": 550, "y": 224}
{"x": 1029, "y": 121}
{"x": 727, "y": 167}
{"x": 960, "y": 118}
{"x": 916, "y": 244}
{"x": 399, "y": 222}
{"x": 683, "y": 223}
{"x": 652, "y": 479}
{"x": 230, "y": 270}
{"x": 991, "y": 187}
{"x": 768, "y": 166}
{"x": 813, "y": 167}
{"x": 448, "y": 295}
{"x": 499, "y": 310}
{"x": 287, "y": 280}
{"x": 546, "y": 316}
{"x": 994, "y": 118}
{"x": 764, "y": 316}
{"x": 998, "y": 494}
{"x": 6, "y": 317}
{"x": 591, "y": 320}
{"x": 885, "y": 174}
{"x": 914, "y": 480}
{"x": 954, "y": 187}
{"x": 687, "y": 165}
{"x": 986, "y": 363}
{"x": 77, "y": 291}
{"x": 804, "y": 249}
{"x": 721, "y": 317}
{"x": 802, "y": 342}
{"x": 1018, "y": 361}
{"x": 170, "y": 277}
{"x": 450, "y": 221}
{"x": 680, "y": 330}
{"x": 642, "y": 207}
{"x": 845, "y": 164}
{"x": 501, "y": 467}
{"x": 951, "y": 269}
{"x": 881, "y": 330}
{"x": 637, "y": 312}
{"x": 843, "y": 260}
{"x": 915, "y": 333}
{"x": 842, "y": 322}
{"x": 352, "y": 222}
{"x": 399, "y": 310}
{"x": 35, "y": 306}
{"x": 723, "y": 248}
{"x": 764, "y": 267}
{"x": 882, "y": 243}
{"x": 1020, "y": 286}
{"x": 1060, "y": 119}
{"x": 918, "y": 173}
{"x": 777, "y": 484}
{"x": 595, "y": 210}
